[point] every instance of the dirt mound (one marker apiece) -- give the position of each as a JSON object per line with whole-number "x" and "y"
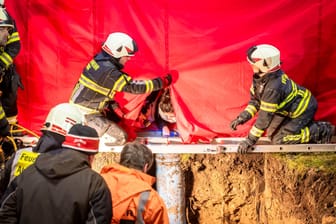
{"x": 257, "y": 188}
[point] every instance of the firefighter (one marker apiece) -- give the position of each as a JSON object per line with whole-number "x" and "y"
{"x": 9, "y": 79}
{"x": 102, "y": 78}
{"x": 285, "y": 109}
{"x": 57, "y": 124}
{"x": 61, "y": 187}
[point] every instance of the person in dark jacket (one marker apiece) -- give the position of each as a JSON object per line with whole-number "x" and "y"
{"x": 10, "y": 46}
{"x": 64, "y": 188}
{"x": 285, "y": 109}
{"x": 57, "y": 124}
{"x": 102, "y": 78}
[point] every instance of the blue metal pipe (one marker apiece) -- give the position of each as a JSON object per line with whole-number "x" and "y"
{"x": 170, "y": 186}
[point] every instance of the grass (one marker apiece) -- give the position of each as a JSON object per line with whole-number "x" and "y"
{"x": 301, "y": 162}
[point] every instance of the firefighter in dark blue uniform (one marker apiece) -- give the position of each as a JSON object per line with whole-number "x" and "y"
{"x": 285, "y": 109}
{"x": 9, "y": 79}
{"x": 102, "y": 78}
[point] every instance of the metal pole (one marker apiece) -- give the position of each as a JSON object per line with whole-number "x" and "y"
{"x": 170, "y": 186}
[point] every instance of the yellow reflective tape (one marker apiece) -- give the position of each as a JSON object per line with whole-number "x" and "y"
{"x": 93, "y": 86}
{"x": 252, "y": 90}
{"x": 284, "y": 79}
{"x": 94, "y": 65}
{"x": 302, "y": 105}
{"x": 268, "y": 107}
{"x": 285, "y": 113}
{"x": 290, "y": 96}
{"x": 26, "y": 159}
{"x": 13, "y": 38}
{"x": 121, "y": 82}
{"x": 2, "y": 113}
{"x": 305, "y": 135}
{"x": 149, "y": 86}
{"x": 289, "y": 138}
{"x": 251, "y": 109}
{"x": 256, "y": 132}
{"x": 6, "y": 58}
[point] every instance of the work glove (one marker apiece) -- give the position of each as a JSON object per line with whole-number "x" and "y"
{"x": 236, "y": 122}
{"x": 167, "y": 80}
{"x": 245, "y": 145}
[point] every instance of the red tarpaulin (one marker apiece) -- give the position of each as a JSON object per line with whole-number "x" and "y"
{"x": 205, "y": 41}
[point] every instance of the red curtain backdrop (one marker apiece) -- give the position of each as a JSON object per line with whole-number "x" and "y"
{"x": 205, "y": 41}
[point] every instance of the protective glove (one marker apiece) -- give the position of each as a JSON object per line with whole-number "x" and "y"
{"x": 245, "y": 145}
{"x": 236, "y": 122}
{"x": 167, "y": 80}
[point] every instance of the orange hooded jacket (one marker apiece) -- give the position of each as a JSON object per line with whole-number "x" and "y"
{"x": 133, "y": 197}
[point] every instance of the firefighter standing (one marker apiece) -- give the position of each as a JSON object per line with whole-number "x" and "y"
{"x": 284, "y": 108}
{"x": 9, "y": 79}
{"x": 102, "y": 78}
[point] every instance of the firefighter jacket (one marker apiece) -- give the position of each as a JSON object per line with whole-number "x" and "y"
{"x": 11, "y": 50}
{"x": 102, "y": 78}
{"x": 275, "y": 93}
{"x": 9, "y": 78}
{"x": 60, "y": 187}
{"x": 134, "y": 199}
{"x": 25, "y": 157}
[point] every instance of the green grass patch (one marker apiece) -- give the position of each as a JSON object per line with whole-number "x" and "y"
{"x": 301, "y": 162}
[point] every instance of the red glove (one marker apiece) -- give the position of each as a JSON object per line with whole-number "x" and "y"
{"x": 170, "y": 78}
{"x": 166, "y": 80}
{"x": 174, "y": 74}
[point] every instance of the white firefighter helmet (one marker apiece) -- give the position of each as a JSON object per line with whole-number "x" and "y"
{"x": 5, "y": 19}
{"x": 266, "y": 57}
{"x": 62, "y": 117}
{"x": 120, "y": 44}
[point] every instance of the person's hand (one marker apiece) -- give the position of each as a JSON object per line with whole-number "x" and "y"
{"x": 167, "y": 80}
{"x": 236, "y": 122}
{"x": 245, "y": 145}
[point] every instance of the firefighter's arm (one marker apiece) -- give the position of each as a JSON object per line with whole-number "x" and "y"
{"x": 244, "y": 116}
{"x": 249, "y": 112}
{"x": 262, "y": 123}
{"x": 147, "y": 86}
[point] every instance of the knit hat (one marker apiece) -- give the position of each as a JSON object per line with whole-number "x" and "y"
{"x": 82, "y": 138}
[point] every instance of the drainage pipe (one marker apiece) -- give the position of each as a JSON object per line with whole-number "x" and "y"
{"x": 170, "y": 186}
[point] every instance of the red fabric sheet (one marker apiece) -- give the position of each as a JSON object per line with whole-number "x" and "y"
{"x": 204, "y": 41}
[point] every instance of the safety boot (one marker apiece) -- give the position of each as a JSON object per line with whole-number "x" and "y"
{"x": 325, "y": 132}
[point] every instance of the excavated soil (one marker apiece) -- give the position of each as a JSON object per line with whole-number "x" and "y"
{"x": 252, "y": 189}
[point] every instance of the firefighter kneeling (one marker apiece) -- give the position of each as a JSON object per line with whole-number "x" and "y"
{"x": 285, "y": 109}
